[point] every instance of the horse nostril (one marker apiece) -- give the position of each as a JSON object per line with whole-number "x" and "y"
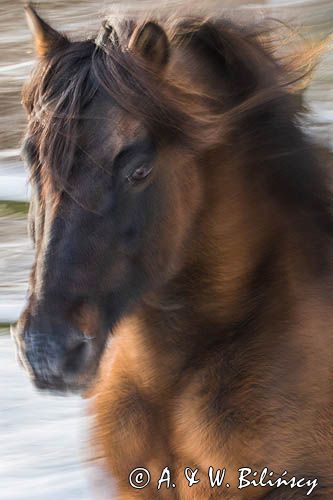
{"x": 75, "y": 358}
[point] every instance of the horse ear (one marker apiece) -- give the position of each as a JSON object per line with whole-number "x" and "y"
{"x": 45, "y": 37}
{"x": 151, "y": 43}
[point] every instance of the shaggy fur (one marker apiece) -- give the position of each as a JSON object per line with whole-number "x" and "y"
{"x": 207, "y": 287}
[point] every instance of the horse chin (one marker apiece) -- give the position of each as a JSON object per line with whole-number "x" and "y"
{"x": 60, "y": 389}
{"x": 81, "y": 386}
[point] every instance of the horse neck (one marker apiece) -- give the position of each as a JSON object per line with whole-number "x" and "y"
{"x": 243, "y": 284}
{"x": 212, "y": 296}
{"x": 235, "y": 239}
{"x": 243, "y": 252}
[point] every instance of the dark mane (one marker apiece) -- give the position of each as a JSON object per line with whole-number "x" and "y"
{"x": 260, "y": 103}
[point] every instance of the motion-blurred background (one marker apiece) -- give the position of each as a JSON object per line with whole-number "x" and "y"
{"x": 42, "y": 437}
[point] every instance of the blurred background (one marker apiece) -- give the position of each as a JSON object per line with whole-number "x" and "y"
{"x": 42, "y": 438}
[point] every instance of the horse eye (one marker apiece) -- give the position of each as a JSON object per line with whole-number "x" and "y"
{"x": 140, "y": 173}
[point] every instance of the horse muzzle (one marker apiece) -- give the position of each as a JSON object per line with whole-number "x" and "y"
{"x": 57, "y": 357}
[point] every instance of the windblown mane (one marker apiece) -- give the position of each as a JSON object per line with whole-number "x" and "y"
{"x": 261, "y": 102}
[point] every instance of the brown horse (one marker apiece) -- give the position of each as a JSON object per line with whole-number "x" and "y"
{"x": 183, "y": 225}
